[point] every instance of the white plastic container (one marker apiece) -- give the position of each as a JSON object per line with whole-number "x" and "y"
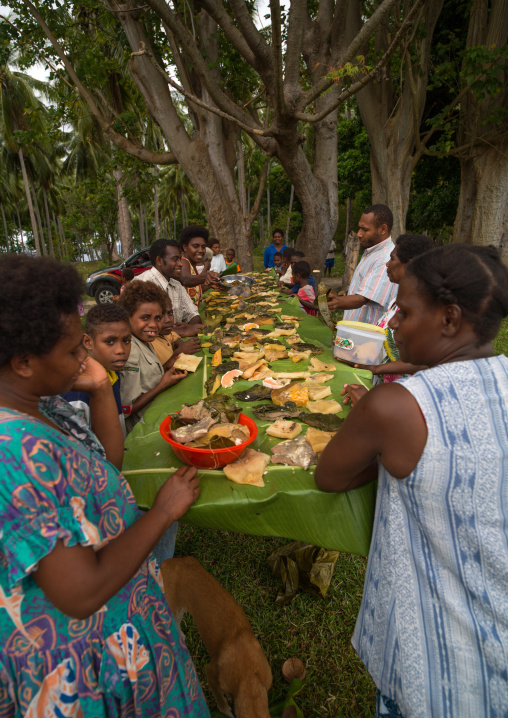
{"x": 359, "y": 343}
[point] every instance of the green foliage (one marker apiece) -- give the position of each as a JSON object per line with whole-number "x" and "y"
{"x": 353, "y": 160}
{"x": 435, "y": 190}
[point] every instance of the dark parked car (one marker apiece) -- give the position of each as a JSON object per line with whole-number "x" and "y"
{"x": 105, "y": 283}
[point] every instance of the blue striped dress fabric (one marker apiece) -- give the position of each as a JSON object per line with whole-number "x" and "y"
{"x": 433, "y": 624}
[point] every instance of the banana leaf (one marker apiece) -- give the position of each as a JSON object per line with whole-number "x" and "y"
{"x": 302, "y": 567}
{"x": 289, "y": 505}
{"x": 232, "y": 269}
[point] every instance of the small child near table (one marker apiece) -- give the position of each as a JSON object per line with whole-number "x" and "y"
{"x": 277, "y": 260}
{"x": 168, "y": 345}
{"x": 230, "y": 259}
{"x": 306, "y": 294}
{"x": 107, "y": 338}
{"x": 143, "y": 377}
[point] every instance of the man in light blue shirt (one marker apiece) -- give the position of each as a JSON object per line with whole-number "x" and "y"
{"x": 277, "y": 246}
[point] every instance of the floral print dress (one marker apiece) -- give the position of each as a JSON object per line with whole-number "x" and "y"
{"x": 129, "y": 658}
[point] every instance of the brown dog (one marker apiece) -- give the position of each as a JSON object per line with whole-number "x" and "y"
{"x": 238, "y": 666}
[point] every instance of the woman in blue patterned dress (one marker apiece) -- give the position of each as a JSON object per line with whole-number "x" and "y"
{"x": 433, "y": 625}
{"x": 84, "y": 626}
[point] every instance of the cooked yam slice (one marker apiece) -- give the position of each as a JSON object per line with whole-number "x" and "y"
{"x": 284, "y": 429}
{"x": 315, "y": 394}
{"x": 249, "y": 468}
{"x": 271, "y": 355}
{"x": 318, "y": 439}
{"x": 324, "y": 406}
{"x": 321, "y": 378}
{"x": 317, "y": 365}
{"x": 249, "y": 356}
{"x": 187, "y": 362}
{"x": 252, "y": 369}
{"x": 298, "y": 356}
{"x": 276, "y": 347}
{"x": 282, "y": 333}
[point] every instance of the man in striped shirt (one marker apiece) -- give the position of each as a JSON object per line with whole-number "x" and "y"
{"x": 370, "y": 292}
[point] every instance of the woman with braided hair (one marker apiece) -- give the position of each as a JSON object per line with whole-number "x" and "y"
{"x": 433, "y": 625}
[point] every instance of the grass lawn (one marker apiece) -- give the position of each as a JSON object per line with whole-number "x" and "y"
{"x": 316, "y": 630}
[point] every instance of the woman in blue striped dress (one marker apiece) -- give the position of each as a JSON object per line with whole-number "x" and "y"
{"x": 433, "y": 624}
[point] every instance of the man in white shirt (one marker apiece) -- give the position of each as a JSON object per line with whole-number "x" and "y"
{"x": 370, "y": 292}
{"x": 167, "y": 264}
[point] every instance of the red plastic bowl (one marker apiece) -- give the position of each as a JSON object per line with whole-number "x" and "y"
{"x": 209, "y": 458}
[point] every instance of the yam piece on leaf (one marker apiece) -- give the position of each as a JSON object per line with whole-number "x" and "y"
{"x": 296, "y": 452}
{"x": 187, "y": 362}
{"x": 282, "y": 333}
{"x": 321, "y": 378}
{"x": 276, "y": 347}
{"x": 271, "y": 355}
{"x": 298, "y": 356}
{"x": 262, "y": 374}
{"x": 249, "y": 468}
{"x": 252, "y": 369}
{"x": 249, "y": 356}
{"x": 317, "y": 365}
{"x": 317, "y": 393}
{"x": 284, "y": 429}
{"x": 318, "y": 439}
{"x": 293, "y": 392}
{"x": 324, "y": 406}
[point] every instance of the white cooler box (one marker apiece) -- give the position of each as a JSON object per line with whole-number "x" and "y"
{"x": 359, "y": 343}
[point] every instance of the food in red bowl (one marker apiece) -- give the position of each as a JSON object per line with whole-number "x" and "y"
{"x": 209, "y": 458}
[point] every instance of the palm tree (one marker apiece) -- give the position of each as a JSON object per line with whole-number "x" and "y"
{"x": 22, "y": 119}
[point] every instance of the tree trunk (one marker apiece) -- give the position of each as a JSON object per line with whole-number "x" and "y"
{"x": 58, "y": 241}
{"x": 268, "y": 215}
{"x": 20, "y": 228}
{"x": 5, "y": 226}
{"x": 29, "y": 202}
{"x": 38, "y": 215}
{"x": 392, "y": 111}
{"x": 482, "y": 215}
{"x": 156, "y": 204}
{"x": 48, "y": 221}
{"x": 124, "y": 217}
{"x": 391, "y": 170}
{"x": 241, "y": 176}
{"x": 291, "y": 196}
{"x": 141, "y": 225}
